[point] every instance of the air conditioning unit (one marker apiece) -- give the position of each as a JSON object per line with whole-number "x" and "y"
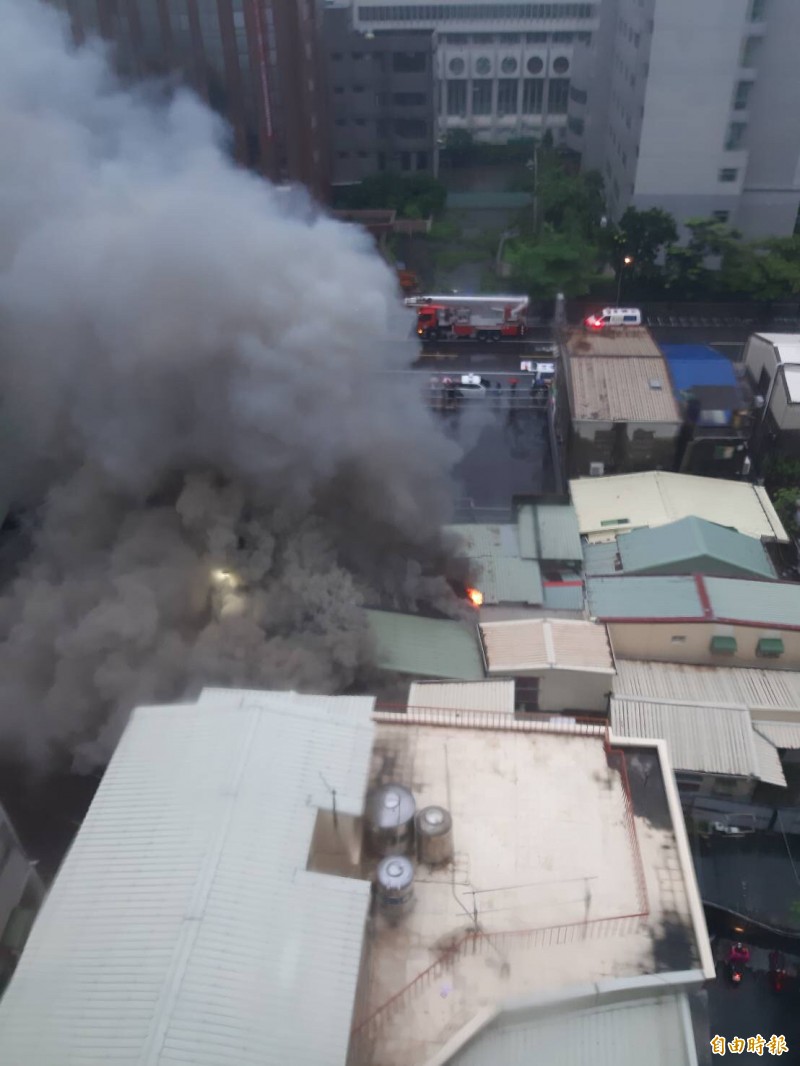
{"x": 597, "y": 469}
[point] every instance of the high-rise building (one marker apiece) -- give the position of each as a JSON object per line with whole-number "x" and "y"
{"x": 382, "y": 98}
{"x": 693, "y": 107}
{"x": 256, "y": 62}
{"x": 503, "y": 70}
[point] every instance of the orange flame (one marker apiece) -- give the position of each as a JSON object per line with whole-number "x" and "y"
{"x": 475, "y": 597}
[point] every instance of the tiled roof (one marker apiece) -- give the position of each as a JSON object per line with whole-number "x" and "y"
{"x": 622, "y": 389}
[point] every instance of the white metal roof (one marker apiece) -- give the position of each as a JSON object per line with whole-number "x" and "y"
{"x": 703, "y": 739}
{"x": 769, "y": 689}
{"x": 780, "y": 734}
{"x": 463, "y": 696}
{"x": 609, "y": 505}
{"x": 787, "y": 348}
{"x": 183, "y": 926}
{"x": 546, "y": 644}
{"x": 656, "y": 1030}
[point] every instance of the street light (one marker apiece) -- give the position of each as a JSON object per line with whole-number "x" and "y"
{"x": 626, "y": 262}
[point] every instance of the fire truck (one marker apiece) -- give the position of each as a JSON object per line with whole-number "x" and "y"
{"x": 480, "y": 318}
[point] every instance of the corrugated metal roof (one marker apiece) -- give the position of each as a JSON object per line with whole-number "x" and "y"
{"x": 549, "y": 531}
{"x": 542, "y": 644}
{"x": 694, "y": 545}
{"x": 485, "y": 540}
{"x": 563, "y": 597}
{"x": 763, "y": 602}
{"x": 770, "y": 689}
{"x": 622, "y": 390}
{"x": 780, "y": 734}
{"x": 183, "y": 925}
{"x": 425, "y": 647}
{"x": 643, "y": 597}
{"x": 600, "y": 558}
{"x": 606, "y": 506}
{"x": 509, "y": 580}
{"x": 464, "y": 696}
{"x": 768, "y": 761}
{"x": 617, "y": 1035}
{"x": 630, "y": 341}
{"x": 711, "y": 740}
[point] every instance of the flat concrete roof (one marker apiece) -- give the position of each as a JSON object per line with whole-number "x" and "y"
{"x": 555, "y": 879}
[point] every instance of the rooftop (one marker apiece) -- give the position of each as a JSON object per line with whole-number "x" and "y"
{"x": 425, "y": 647}
{"x": 549, "y": 531}
{"x": 494, "y": 696}
{"x": 773, "y": 604}
{"x": 545, "y": 644}
{"x": 787, "y": 348}
{"x": 609, "y": 505}
{"x": 771, "y": 691}
{"x": 701, "y": 739}
{"x": 694, "y": 545}
{"x": 556, "y": 879}
{"x": 155, "y": 944}
{"x": 693, "y": 365}
{"x": 627, "y": 341}
{"x": 621, "y": 389}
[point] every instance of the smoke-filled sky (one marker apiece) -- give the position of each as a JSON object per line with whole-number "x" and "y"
{"x": 190, "y": 380}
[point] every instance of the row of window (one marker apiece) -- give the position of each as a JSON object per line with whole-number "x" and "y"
{"x": 401, "y": 62}
{"x": 442, "y": 12}
{"x": 560, "y": 37}
{"x": 406, "y": 160}
{"x": 509, "y": 101}
{"x": 508, "y": 65}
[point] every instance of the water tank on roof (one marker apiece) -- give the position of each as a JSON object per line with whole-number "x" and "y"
{"x": 434, "y": 836}
{"x": 394, "y": 886}
{"x": 390, "y": 820}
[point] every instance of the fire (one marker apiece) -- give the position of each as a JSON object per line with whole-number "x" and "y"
{"x": 475, "y": 597}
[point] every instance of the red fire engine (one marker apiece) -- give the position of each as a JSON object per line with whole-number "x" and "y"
{"x": 480, "y": 318}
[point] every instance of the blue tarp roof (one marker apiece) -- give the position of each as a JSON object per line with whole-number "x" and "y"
{"x": 693, "y": 365}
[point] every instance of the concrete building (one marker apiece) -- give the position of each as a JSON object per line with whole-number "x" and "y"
{"x": 503, "y": 70}
{"x": 690, "y": 107}
{"x": 611, "y": 505}
{"x": 21, "y": 894}
{"x": 382, "y": 98}
{"x": 699, "y": 619}
{"x": 256, "y": 62}
{"x": 698, "y": 711}
{"x": 621, "y": 411}
{"x": 772, "y": 365}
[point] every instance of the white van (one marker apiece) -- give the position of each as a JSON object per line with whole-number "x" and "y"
{"x": 615, "y": 316}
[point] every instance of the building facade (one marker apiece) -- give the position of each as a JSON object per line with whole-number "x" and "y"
{"x": 382, "y": 98}
{"x": 772, "y": 366}
{"x": 256, "y": 62}
{"x": 21, "y": 894}
{"x": 690, "y": 107}
{"x": 503, "y": 70}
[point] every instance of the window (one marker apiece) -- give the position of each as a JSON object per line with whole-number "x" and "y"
{"x": 535, "y": 65}
{"x": 751, "y": 50}
{"x": 363, "y": 155}
{"x": 557, "y": 96}
{"x": 526, "y": 694}
{"x": 720, "y": 216}
{"x": 509, "y": 38}
{"x": 536, "y": 38}
{"x": 409, "y": 99}
{"x": 336, "y": 56}
{"x": 341, "y": 121}
{"x": 728, "y": 174}
{"x": 741, "y": 100}
{"x": 343, "y": 155}
{"x": 456, "y": 65}
{"x": 509, "y": 65}
{"x": 408, "y": 62}
{"x": 422, "y": 160}
{"x": 456, "y": 98}
{"x": 561, "y": 65}
{"x": 688, "y": 782}
{"x": 410, "y": 127}
{"x": 578, "y": 96}
{"x": 532, "y": 96}
{"x": 338, "y": 89}
{"x": 508, "y": 96}
{"x": 360, "y": 121}
{"x": 381, "y": 160}
{"x": 482, "y": 65}
{"x": 757, "y": 10}
{"x": 563, "y": 38}
{"x": 614, "y": 522}
{"x": 482, "y": 96}
{"x": 736, "y": 132}
{"x": 769, "y": 648}
{"x": 677, "y": 638}
{"x": 355, "y": 56}
{"x": 723, "y": 645}
{"x": 358, "y": 88}
{"x": 575, "y": 125}
{"x": 405, "y": 160}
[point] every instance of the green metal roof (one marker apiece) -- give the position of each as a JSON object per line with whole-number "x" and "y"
{"x": 549, "y": 531}
{"x": 425, "y": 647}
{"x": 477, "y": 540}
{"x": 694, "y": 545}
{"x": 644, "y": 597}
{"x": 509, "y": 580}
{"x": 761, "y": 602}
{"x": 600, "y": 558}
{"x": 488, "y": 200}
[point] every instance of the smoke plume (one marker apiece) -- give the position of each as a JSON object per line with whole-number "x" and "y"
{"x": 196, "y": 410}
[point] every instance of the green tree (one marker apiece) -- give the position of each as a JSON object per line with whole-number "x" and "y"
{"x": 555, "y": 262}
{"x": 569, "y": 202}
{"x": 765, "y": 270}
{"x": 459, "y": 146}
{"x": 690, "y": 267}
{"x": 786, "y": 502}
{"x": 644, "y": 235}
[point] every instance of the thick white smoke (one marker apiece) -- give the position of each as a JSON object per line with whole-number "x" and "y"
{"x": 193, "y": 384}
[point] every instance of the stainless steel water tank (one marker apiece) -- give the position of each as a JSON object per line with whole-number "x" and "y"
{"x": 434, "y": 836}
{"x": 394, "y": 883}
{"x": 390, "y": 820}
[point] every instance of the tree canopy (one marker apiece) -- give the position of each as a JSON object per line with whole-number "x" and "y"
{"x": 411, "y": 195}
